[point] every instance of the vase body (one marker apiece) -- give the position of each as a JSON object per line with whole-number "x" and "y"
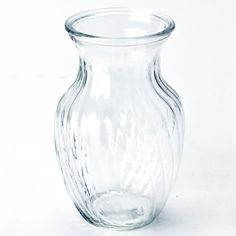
{"x": 119, "y": 127}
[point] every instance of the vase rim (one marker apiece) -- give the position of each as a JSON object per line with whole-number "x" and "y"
{"x": 151, "y": 26}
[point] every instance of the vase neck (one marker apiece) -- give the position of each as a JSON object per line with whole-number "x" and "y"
{"x": 120, "y": 63}
{"x": 110, "y": 71}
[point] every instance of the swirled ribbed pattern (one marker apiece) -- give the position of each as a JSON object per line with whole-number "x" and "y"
{"x": 119, "y": 136}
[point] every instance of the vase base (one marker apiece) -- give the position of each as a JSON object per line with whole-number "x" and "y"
{"x": 122, "y": 211}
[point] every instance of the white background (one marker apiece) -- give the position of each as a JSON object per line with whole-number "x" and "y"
{"x": 38, "y": 62}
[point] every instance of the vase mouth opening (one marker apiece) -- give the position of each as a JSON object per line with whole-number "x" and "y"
{"x": 119, "y": 26}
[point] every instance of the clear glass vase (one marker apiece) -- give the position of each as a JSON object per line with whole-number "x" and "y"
{"x": 119, "y": 127}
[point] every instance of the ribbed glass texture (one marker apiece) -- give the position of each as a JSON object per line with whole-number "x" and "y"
{"x": 119, "y": 127}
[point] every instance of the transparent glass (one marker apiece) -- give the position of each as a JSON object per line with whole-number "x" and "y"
{"x": 119, "y": 127}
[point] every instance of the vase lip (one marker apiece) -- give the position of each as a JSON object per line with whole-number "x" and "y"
{"x": 166, "y": 25}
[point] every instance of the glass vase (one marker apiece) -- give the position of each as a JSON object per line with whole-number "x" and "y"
{"x": 119, "y": 127}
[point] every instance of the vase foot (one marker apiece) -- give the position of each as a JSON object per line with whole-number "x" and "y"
{"x": 121, "y": 211}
